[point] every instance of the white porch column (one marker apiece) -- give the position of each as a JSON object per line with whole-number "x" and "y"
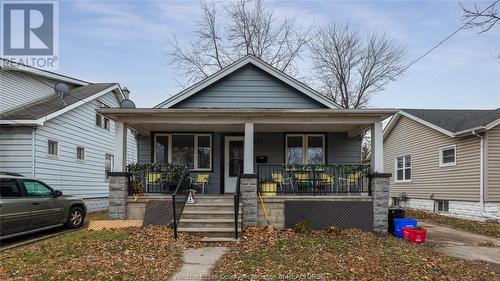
{"x": 248, "y": 149}
{"x": 377, "y": 148}
{"x": 120, "y": 152}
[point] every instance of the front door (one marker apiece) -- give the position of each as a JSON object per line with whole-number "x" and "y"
{"x": 233, "y": 157}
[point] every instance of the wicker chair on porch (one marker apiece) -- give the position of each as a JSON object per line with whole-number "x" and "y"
{"x": 200, "y": 180}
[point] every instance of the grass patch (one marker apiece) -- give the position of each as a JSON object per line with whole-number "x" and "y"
{"x": 341, "y": 255}
{"x": 485, "y": 228}
{"x": 147, "y": 253}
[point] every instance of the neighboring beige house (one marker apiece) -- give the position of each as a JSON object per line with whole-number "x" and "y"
{"x": 445, "y": 161}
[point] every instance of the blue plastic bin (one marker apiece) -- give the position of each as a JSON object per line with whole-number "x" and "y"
{"x": 400, "y": 223}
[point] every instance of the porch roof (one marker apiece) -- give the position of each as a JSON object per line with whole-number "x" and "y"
{"x": 147, "y": 120}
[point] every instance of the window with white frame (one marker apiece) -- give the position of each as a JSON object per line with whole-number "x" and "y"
{"x": 80, "y": 153}
{"x": 442, "y": 205}
{"x": 403, "y": 168}
{"x": 194, "y": 150}
{"x": 101, "y": 121}
{"x": 108, "y": 164}
{"x": 52, "y": 148}
{"x": 448, "y": 156}
{"x": 305, "y": 149}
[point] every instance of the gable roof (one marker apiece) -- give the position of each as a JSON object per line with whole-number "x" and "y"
{"x": 451, "y": 122}
{"x": 39, "y": 111}
{"x": 297, "y": 85}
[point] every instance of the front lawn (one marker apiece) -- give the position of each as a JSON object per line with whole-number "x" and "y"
{"x": 341, "y": 255}
{"x": 147, "y": 253}
{"x": 485, "y": 228}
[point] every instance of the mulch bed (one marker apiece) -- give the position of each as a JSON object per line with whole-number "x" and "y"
{"x": 488, "y": 228}
{"x": 341, "y": 255}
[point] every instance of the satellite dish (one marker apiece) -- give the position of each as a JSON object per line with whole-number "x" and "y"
{"x": 61, "y": 89}
{"x": 126, "y": 103}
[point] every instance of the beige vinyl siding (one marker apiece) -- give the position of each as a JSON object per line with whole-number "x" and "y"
{"x": 459, "y": 182}
{"x": 493, "y": 165}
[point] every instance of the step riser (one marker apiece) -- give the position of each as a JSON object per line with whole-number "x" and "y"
{"x": 212, "y": 234}
{"x": 213, "y": 200}
{"x": 207, "y": 224}
{"x": 207, "y": 216}
{"x": 203, "y": 209}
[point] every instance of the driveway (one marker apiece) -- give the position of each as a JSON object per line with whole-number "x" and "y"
{"x": 462, "y": 244}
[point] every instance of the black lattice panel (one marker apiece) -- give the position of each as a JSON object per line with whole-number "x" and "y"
{"x": 158, "y": 212}
{"x": 322, "y": 214}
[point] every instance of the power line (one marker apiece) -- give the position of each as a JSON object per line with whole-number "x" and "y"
{"x": 444, "y": 40}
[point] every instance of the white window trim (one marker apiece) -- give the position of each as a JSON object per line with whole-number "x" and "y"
{"x": 195, "y": 148}
{"x": 441, "y": 149}
{"x": 103, "y": 122}
{"x": 84, "y": 154}
{"x": 58, "y": 149}
{"x": 404, "y": 168}
{"x": 436, "y": 202}
{"x": 305, "y": 145}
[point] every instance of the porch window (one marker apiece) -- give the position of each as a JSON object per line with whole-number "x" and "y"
{"x": 195, "y": 150}
{"x": 183, "y": 150}
{"x": 403, "y": 168}
{"x": 305, "y": 149}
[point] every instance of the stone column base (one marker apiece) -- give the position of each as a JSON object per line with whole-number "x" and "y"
{"x": 380, "y": 192}
{"x": 248, "y": 189}
{"x": 118, "y": 190}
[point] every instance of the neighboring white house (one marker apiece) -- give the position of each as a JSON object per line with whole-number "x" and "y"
{"x": 59, "y": 139}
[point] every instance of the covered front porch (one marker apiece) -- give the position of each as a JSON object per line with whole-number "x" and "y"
{"x": 292, "y": 152}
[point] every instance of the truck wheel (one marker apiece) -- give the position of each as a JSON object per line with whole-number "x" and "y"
{"x": 75, "y": 217}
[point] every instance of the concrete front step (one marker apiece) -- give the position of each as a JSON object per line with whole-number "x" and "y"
{"x": 209, "y": 231}
{"x": 218, "y": 239}
{"x": 206, "y": 223}
{"x": 212, "y": 214}
{"x": 214, "y": 199}
{"x": 204, "y": 207}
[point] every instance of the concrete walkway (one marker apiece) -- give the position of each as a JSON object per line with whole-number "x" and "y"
{"x": 462, "y": 244}
{"x": 198, "y": 262}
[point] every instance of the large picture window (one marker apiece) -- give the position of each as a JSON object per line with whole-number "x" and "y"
{"x": 403, "y": 168}
{"x": 194, "y": 150}
{"x": 305, "y": 149}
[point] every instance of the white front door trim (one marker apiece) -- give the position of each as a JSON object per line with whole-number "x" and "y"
{"x": 229, "y": 182}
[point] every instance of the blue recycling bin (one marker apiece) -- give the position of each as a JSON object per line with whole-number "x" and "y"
{"x": 400, "y": 223}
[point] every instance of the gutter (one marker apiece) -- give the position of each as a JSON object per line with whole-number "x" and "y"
{"x": 481, "y": 177}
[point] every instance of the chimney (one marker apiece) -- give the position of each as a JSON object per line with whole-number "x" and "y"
{"x": 125, "y": 92}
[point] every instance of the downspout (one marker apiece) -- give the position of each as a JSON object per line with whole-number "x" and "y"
{"x": 481, "y": 176}
{"x": 33, "y": 152}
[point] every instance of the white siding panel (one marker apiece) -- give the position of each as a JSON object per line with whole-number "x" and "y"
{"x": 15, "y": 150}
{"x": 77, "y": 128}
{"x": 18, "y": 88}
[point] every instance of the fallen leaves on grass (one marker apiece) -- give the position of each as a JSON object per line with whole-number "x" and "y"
{"x": 341, "y": 255}
{"x": 148, "y": 253}
{"x": 488, "y": 228}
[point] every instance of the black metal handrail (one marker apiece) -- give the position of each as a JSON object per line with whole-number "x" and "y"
{"x": 237, "y": 197}
{"x": 179, "y": 198}
{"x": 313, "y": 179}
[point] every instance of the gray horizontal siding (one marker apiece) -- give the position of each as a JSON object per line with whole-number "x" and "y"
{"x": 344, "y": 150}
{"x": 16, "y": 150}
{"x": 249, "y": 87}
{"x": 144, "y": 149}
{"x": 493, "y": 165}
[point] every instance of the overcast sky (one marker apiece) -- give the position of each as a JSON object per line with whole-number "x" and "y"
{"x": 123, "y": 41}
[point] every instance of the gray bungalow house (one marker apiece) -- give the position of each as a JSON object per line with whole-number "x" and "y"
{"x": 291, "y": 143}
{"x": 60, "y": 140}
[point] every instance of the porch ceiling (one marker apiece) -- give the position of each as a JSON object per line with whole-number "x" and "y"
{"x": 147, "y": 120}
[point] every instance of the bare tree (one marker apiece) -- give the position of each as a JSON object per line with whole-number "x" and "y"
{"x": 482, "y": 19}
{"x": 249, "y": 27}
{"x": 349, "y": 69}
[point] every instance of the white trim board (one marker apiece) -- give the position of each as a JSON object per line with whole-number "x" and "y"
{"x": 192, "y": 90}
